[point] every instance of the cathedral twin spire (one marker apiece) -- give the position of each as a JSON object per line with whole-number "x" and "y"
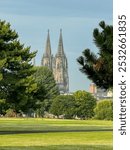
{"x": 48, "y": 45}
{"x": 57, "y": 64}
{"x": 60, "y": 45}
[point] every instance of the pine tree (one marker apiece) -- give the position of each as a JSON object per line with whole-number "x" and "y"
{"x": 47, "y": 88}
{"x": 99, "y": 68}
{"x": 16, "y": 71}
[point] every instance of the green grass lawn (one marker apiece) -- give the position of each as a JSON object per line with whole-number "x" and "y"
{"x": 49, "y": 139}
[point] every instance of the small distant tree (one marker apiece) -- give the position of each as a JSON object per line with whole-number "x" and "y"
{"x": 63, "y": 105}
{"x": 84, "y": 104}
{"x": 104, "y": 110}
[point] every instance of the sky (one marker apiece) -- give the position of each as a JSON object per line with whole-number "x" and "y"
{"x": 77, "y": 19}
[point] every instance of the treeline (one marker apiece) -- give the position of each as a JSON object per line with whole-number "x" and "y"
{"x": 81, "y": 105}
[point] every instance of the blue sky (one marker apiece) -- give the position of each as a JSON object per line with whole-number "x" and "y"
{"x": 77, "y": 18}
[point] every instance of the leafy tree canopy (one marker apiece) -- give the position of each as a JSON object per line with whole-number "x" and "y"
{"x": 80, "y": 104}
{"x": 84, "y": 104}
{"x": 63, "y": 105}
{"x": 104, "y": 110}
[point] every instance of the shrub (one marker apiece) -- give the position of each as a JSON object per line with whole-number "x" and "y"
{"x": 10, "y": 113}
{"x": 104, "y": 110}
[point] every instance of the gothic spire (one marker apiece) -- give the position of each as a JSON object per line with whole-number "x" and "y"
{"x": 60, "y": 45}
{"x": 48, "y": 45}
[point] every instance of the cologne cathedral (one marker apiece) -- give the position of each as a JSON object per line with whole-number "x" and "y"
{"x": 58, "y": 64}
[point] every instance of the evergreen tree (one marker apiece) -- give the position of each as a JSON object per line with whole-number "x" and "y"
{"x": 99, "y": 68}
{"x": 17, "y": 83}
{"x": 47, "y": 88}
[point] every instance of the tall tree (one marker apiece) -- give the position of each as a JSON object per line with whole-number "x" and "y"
{"x": 16, "y": 71}
{"x": 47, "y": 88}
{"x": 99, "y": 68}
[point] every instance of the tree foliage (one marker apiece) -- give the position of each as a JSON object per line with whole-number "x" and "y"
{"x": 63, "y": 105}
{"x": 84, "y": 104}
{"x": 99, "y": 68}
{"x": 46, "y": 88}
{"x": 3, "y": 107}
{"x": 80, "y": 104}
{"x": 104, "y": 110}
{"x": 17, "y": 83}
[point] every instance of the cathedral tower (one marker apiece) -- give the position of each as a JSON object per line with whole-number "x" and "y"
{"x": 61, "y": 68}
{"x": 57, "y": 64}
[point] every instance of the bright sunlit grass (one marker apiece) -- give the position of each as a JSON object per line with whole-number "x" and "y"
{"x": 64, "y": 140}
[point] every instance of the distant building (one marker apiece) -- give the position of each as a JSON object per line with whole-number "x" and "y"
{"x": 92, "y": 88}
{"x": 100, "y": 93}
{"x": 58, "y": 64}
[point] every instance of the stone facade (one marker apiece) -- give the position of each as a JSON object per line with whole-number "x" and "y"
{"x": 57, "y": 64}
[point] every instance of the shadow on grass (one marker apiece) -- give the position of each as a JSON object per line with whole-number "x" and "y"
{"x": 50, "y": 131}
{"x": 59, "y": 147}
